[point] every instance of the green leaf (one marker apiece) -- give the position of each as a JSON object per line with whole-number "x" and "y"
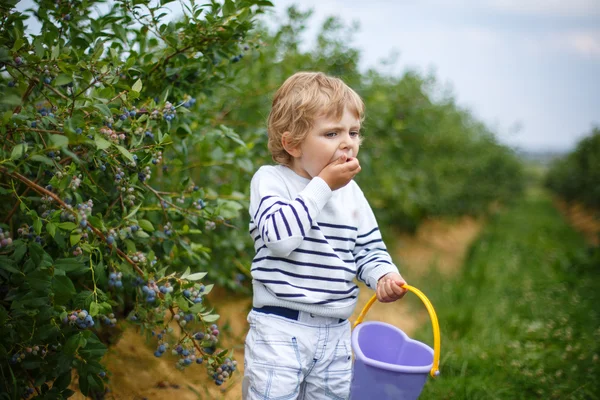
{"x": 75, "y": 238}
{"x": 125, "y": 152}
{"x": 197, "y": 308}
{"x": 39, "y": 280}
{"x": 208, "y": 289}
{"x": 186, "y": 273}
{"x": 18, "y": 151}
{"x": 51, "y": 228}
{"x": 10, "y": 99}
{"x": 101, "y": 143}
{"x": 72, "y": 344}
{"x": 8, "y": 265}
{"x": 62, "y": 79}
{"x": 133, "y": 212}
{"x": 211, "y": 318}
{"x": 196, "y": 277}
{"x": 103, "y": 108}
{"x": 55, "y": 52}
{"x": 70, "y": 264}
{"x": 42, "y": 159}
{"x": 137, "y": 86}
{"x": 37, "y": 226}
{"x": 59, "y": 141}
{"x": 146, "y": 225}
{"x": 67, "y": 226}
{"x": 94, "y": 309}
{"x": 63, "y": 289}
{"x": 63, "y": 381}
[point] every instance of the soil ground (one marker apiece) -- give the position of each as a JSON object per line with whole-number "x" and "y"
{"x": 135, "y": 373}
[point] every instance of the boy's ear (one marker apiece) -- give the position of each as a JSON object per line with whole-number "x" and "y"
{"x": 294, "y": 151}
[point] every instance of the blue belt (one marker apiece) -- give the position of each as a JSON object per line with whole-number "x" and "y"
{"x": 282, "y": 312}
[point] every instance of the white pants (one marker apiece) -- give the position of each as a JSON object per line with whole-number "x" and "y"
{"x": 308, "y": 359}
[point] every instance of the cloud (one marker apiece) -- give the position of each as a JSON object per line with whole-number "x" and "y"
{"x": 571, "y": 8}
{"x": 583, "y": 43}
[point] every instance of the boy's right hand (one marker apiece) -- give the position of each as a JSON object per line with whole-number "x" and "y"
{"x": 340, "y": 172}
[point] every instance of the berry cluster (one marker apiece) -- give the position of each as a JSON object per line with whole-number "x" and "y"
{"x": 149, "y": 135}
{"x": 119, "y": 175}
{"x": 187, "y": 357}
{"x": 114, "y": 280}
{"x": 194, "y": 295}
{"x": 112, "y": 135}
{"x": 46, "y": 112}
{"x": 210, "y": 225}
{"x": 158, "y": 158}
{"x": 162, "y": 347}
{"x": 84, "y": 210}
{"x": 109, "y": 319}
{"x": 166, "y": 288}
{"x": 80, "y": 318}
{"x": 138, "y": 257}
{"x": 111, "y": 237}
{"x": 211, "y": 334}
{"x": 169, "y": 112}
{"x": 75, "y": 182}
{"x": 145, "y": 174}
{"x": 150, "y": 290}
{"x": 199, "y": 204}
{"x": 5, "y": 239}
{"x": 188, "y": 101}
{"x": 26, "y": 232}
{"x": 224, "y": 371}
{"x": 55, "y": 155}
{"x": 28, "y": 392}
{"x": 167, "y": 229}
{"x": 77, "y": 251}
{"x": 183, "y": 318}
{"x": 237, "y": 58}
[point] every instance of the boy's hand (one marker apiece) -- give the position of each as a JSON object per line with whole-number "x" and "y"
{"x": 340, "y": 172}
{"x": 389, "y": 287}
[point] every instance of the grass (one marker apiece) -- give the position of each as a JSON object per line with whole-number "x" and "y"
{"x": 521, "y": 320}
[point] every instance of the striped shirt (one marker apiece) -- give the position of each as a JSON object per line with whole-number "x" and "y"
{"x": 312, "y": 242}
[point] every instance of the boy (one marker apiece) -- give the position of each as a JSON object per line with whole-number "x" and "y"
{"x": 314, "y": 232}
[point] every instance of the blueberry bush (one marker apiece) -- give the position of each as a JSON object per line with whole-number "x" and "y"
{"x": 118, "y": 184}
{"x": 576, "y": 176}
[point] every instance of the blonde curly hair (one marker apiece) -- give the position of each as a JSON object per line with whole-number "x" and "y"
{"x": 302, "y": 98}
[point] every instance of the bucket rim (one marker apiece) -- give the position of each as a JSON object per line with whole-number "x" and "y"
{"x": 387, "y": 366}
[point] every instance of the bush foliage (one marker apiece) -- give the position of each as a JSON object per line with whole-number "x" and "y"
{"x": 103, "y": 216}
{"x": 576, "y": 177}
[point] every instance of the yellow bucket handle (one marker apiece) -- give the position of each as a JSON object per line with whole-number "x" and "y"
{"x": 435, "y": 371}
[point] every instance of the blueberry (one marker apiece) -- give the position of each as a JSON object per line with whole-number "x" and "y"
{"x": 78, "y": 131}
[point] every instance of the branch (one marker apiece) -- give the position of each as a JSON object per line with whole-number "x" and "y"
{"x": 46, "y": 192}
{"x": 166, "y": 60}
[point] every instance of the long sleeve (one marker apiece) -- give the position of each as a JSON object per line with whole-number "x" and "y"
{"x": 282, "y": 222}
{"x": 370, "y": 253}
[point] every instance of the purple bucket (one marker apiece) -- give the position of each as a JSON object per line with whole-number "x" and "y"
{"x": 387, "y": 363}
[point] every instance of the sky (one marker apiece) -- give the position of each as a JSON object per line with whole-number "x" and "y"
{"x": 529, "y": 69}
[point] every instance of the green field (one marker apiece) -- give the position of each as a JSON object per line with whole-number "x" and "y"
{"x": 521, "y": 320}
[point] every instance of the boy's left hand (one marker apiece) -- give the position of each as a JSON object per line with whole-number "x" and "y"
{"x": 389, "y": 287}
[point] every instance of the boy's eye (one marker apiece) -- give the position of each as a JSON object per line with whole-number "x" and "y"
{"x": 331, "y": 134}
{"x": 354, "y": 133}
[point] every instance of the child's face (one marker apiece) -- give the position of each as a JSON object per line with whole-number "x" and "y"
{"x": 326, "y": 142}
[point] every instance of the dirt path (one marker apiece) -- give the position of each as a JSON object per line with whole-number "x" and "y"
{"x": 136, "y": 374}
{"x": 583, "y": 220}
